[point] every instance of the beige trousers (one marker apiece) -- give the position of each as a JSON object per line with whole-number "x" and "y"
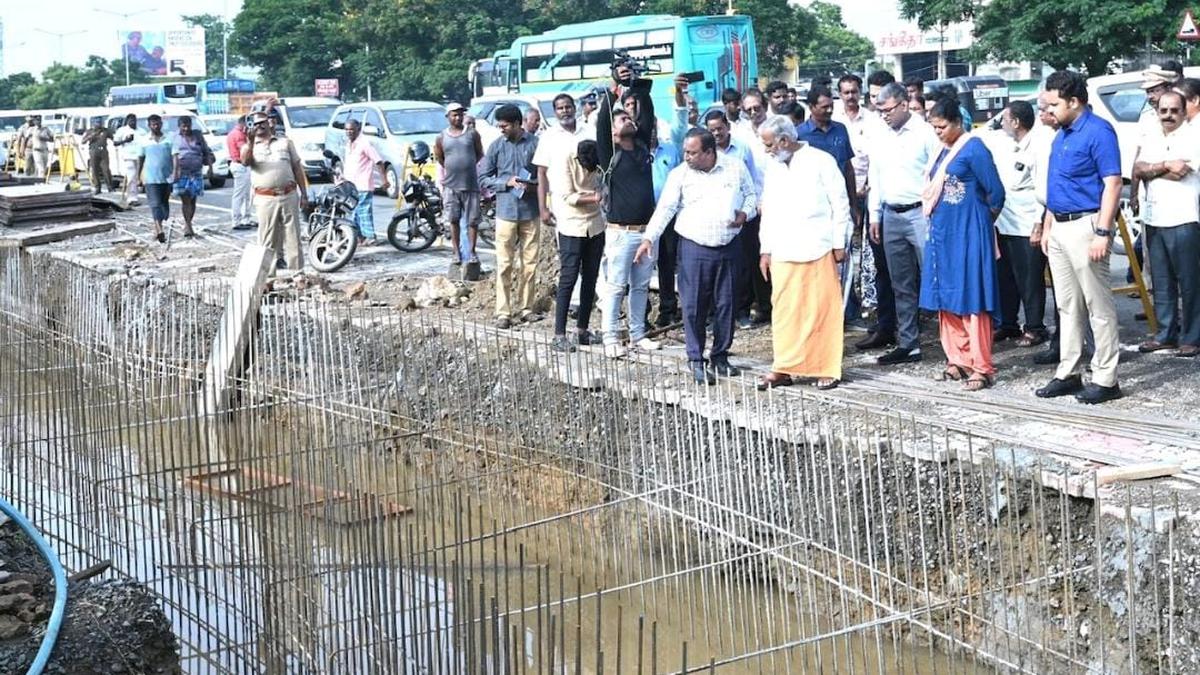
{"x": 1083, "y": 293}
{"x": 279, "y": 226}
{"x": 516, "y": 266}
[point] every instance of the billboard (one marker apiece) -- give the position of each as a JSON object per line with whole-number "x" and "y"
{"x": 166, "y": 53}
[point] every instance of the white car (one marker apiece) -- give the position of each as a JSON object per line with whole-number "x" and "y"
{"x": 1121, "y": 100}
{"x": 215, "y": 174}
{"x": 304, "y": 121}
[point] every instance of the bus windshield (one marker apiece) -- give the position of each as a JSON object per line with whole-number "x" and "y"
{"x": 309, "y": 116}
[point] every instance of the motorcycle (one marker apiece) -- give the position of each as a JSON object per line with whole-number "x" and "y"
{"x": 414, "y": 227}
{"x": 332, "y": 235}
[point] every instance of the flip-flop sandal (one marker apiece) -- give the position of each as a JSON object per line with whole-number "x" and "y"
{"x": 980, "y": 383}
{"x": 1031, "y": 340}
{"x": 951, "y": 374}
{"x": 826, "y": 385}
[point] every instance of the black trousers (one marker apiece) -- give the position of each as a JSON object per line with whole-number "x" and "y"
{"x": 1022, "y": 272}
{"x": 577, "y": 256}
{"x": 668, "y": 259}
{"x": 751, "y": 289}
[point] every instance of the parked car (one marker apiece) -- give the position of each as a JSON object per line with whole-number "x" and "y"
{"x": 1121, "y": 100}
{"x": 483, "y": 109}
{"x": 304, "y": 121}
{"x": 391, "y": 126}
{"x": 215, "y": 174}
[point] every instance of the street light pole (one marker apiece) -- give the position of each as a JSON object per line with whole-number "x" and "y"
{"x": 60, "y": 37}
{"x": 125, "y": 44}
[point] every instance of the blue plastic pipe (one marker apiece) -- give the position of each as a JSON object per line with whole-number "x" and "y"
{"x": 60, "y": 587}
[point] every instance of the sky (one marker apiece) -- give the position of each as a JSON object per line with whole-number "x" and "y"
{"x": 90, "y": 26}
{"x": 84, "y": 28}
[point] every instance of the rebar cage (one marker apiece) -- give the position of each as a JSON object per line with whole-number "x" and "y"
{"x": 377, "y": 492}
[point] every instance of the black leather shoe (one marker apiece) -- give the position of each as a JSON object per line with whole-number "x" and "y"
{"x": 899, "y": 355}
{"x": 1006, "y": 333}
{"x": 1046, "y": 357}
{"x": 875, "y": 340}
{"x": 1094, "y": 393}
{"x": 726, "y": 369}
{"x": 702, "y": 373}
{"x": 1057, "y": 387}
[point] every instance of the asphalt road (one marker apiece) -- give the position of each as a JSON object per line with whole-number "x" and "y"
{"x": 212, "y": 223}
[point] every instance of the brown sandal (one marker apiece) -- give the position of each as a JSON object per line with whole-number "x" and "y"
{"x": 952, "y": 373}
{"x": 1031, "y": 339}
{"x": 978, "y": 382}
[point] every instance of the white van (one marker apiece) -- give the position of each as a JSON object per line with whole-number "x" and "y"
{"x": 304, "y": 122}
{"x": 215, "y": 174}
{"x": 1121, "y": 100}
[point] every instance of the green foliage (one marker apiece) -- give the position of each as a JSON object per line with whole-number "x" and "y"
{"x": 214, "y": 53}
{"x": 936, "y": 13}
{"x": 1078, "y": 33}
{"x": 64, "y": 86}
{"x": 834, "y": 49}
{"x": 420, "y": 49}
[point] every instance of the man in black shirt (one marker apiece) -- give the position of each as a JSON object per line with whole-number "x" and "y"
{"x": 623, "y": 145}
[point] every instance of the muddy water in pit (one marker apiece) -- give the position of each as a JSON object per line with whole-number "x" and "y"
{"x": 501, "y": 565}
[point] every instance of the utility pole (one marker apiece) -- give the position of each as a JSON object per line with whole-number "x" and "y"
{"x": 60, "y": 37}
{"x": 124, "y": 43}
{"x": 368, "y": 70}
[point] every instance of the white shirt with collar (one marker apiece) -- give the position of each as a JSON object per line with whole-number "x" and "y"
{"x": 555, "y": 146}
{"x": 859, "y": 127}
{"x": 705, "y": 201}
{"x": 1017, "y": 164}
{"x": 898, "y": 161}
{"x": 1170, "y": 203}
{"x": 805, "y": 210}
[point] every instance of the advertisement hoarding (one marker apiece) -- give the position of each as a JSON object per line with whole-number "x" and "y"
{"x": 166, "y": 53}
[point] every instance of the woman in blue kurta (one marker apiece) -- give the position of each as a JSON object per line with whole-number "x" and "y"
{"x": 962, "y": 198}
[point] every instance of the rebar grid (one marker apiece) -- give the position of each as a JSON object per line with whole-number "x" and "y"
{"x": 417, "y": 493}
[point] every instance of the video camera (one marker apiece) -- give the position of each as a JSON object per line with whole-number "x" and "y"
{"x": 637, "y": 68}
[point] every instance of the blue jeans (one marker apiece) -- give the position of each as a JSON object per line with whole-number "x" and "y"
{"x": 1175, "y": 268}
{"x": 618, "y": 271}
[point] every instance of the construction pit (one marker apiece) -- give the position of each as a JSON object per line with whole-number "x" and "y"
{"x": 319, "y": 487}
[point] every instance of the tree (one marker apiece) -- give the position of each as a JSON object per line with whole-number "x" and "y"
{"x": 65, "y": 86}
{"x": 937, "y": 15}
{"x": 13, "y": 87}
{"x": 214, "y": 43}
{"x": 834, "y": 49}
{"x": 1080, "y": 33}
{"x": 295, "y": 42}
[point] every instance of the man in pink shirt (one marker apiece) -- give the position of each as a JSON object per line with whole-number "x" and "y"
{"x": 239, "y": 209}
{"x": 359, "y": 168}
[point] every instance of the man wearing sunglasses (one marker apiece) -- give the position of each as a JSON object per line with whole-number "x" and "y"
{"x": 1167, "y": 164}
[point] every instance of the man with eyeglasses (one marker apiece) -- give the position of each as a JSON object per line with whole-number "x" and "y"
{"x": 1167, "y": 165}
{"x": 753, "y": 292}
{"x": 900, "y": 153}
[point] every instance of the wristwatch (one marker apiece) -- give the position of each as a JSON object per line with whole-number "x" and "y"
{"x": 1102, "y": 233}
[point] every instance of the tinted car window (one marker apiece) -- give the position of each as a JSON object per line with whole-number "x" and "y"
{"x": 307, "y": 116}
{"x": 339, "y": 120}
{"x": 1125, "y": 104}
{"x": 416, "y": 121}
{"x": 372, "y": 117}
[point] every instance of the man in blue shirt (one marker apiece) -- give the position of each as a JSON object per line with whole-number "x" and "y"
{"x": 667, "y": 156}
{"x": 1083, "y": 186}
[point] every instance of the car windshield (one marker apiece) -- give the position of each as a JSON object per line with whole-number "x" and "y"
{"x": 415, "y": 121}
{"x": 11, "y": 123}
{"x": 307, "y": 116}
{"x": 220, "y": 126}
{"x": 171, "y": 125}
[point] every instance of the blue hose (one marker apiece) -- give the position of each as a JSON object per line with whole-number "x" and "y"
{"x": 60, "y": 587}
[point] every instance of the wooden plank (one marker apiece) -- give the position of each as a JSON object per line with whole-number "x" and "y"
{"x": 237, "y": 324}
{"x": 52, "y": 233}
{"x": 1112, "y": 474}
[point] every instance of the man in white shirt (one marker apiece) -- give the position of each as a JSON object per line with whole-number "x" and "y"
{"x": 1168, "y": 164}
{"x": 711, "y": 196}
{"x": 555, "y": 144}
{"x": 127, "y": 140}
{"x": 805, "y": 225}
{"x": 876, "y": 288}
{"x": 897, "y": 178}
{"x": 1022, "y": 264}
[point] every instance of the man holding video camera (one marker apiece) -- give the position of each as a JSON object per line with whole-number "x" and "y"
{"x": 623, "y": 144}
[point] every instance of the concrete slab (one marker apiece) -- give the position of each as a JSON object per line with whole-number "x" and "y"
{"x": 48, "y": 234}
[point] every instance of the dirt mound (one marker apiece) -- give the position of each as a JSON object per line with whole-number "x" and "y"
{"x": 110, "y": 626}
